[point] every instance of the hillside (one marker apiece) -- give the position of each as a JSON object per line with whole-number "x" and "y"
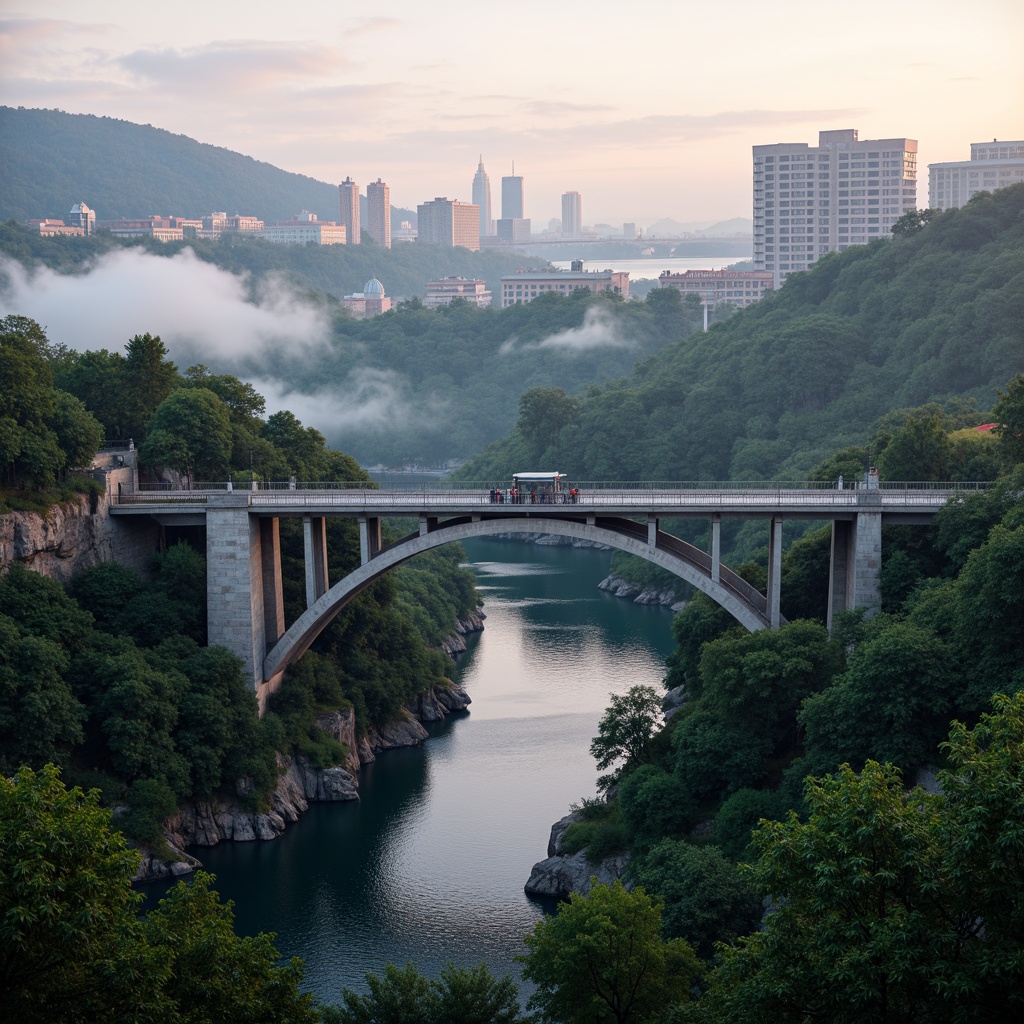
{"x": 770, "y": 392}
{"x": 122, "y": 169}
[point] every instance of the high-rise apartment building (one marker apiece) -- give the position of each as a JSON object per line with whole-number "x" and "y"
{"x": 992, "y": 165}
{"x": 810, "y": 200}
{"x": 447, "y": 222}
{"x": 512, "y": 203}
{"x": 482, "y": 198}
{"x": 350, "y": 210}
{"x": 378, "y": 212}
{"x": 572, "y": 215}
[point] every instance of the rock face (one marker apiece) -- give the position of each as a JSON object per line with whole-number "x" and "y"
{"x": 471, "y": 623}
{"x": 673, "y": 701}
{"x": 640, "y": 594}
{"x": 561, "y": 874}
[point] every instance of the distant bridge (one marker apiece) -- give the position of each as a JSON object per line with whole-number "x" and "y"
{"x": 244, "y": 584}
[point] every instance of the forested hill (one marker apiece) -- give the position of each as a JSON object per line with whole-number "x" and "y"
{"x": 122, "y": 169}
{"x": 937, "y": 315}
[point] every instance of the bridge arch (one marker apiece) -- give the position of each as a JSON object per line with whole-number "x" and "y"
{"x": 734, "y": 594}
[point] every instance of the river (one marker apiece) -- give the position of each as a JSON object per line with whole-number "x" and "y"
{"x": 429, "y": 865}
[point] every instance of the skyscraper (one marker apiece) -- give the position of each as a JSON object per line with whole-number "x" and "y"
{"x": 810, "y": 201}
{"x": 447, "y": 222}
{"x": 350, "y": 210}
{"x": 482, "y": 198}
{"x": 512, "y": 196}
{"x": 378, "y": 212}
{"x": 572, "y": 215}
{"x": 993, "y": 165}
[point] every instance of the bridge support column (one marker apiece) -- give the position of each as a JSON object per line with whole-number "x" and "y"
{"x": 775, "y": 572}
{"x": 234, "y": 581}
{"x": 427, "y": 523}
{"x": 716, "y": 548}
{"x": 314, "y": 536}
{"x": 652, "y": 531}
{"x": 273, "y": 589}
{"x": 855, "y": 565}
{"x": 369, "y": 538}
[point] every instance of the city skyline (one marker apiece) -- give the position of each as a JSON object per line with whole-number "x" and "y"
{"x": 647, "y": 123}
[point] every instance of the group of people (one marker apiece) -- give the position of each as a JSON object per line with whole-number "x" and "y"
{"x": 545, "y": 496}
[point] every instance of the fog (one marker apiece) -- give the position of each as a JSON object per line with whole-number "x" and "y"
{"x": 598, "y": 330}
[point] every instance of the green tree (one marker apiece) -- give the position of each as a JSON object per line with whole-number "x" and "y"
{"x": 79, "y": 433}
{"x": 626, "y": 728}
{"x": 602, "y": 959}
{"x": 1008, "y": 413}
{"x": 543, "y": 413}
{"x": 919, "y": 450}
{"x": 460, "y": 995}
{"x": 148, "y": 378}
{"x": 190, "y": 431}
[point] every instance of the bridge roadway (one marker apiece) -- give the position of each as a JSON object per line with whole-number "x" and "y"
{"x": 246, "y": 609}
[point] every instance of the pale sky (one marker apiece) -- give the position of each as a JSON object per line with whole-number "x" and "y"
{"x": 647, "y": 109}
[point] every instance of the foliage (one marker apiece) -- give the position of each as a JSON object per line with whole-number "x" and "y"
{"x": 655, "y": 804}
{"x": 888, "y": 905}
{"x": 601, "y": 835}
{"x": 601, "y": 958}
{"x": 190, "y": 431}
{"x": 706, "y": 898}
{"x": 626, "y": 727}
{"x": 460, "y": 995}
{"x": 1009, "y": 415}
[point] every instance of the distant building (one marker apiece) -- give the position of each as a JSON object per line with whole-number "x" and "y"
{"x": 443, "y": 292}
{"x": 371, "y": 301}
{"x": 50, "y": 228}
{"x": 572, "y": 215}
{"x": 405, "y": 233}
{"x": 349, "y": 192}
{"x": 378, "y": 213}
{"x": 629, "y": 231}
{"x": 305, "y": 229}
{"x": 447, "y": 222}
{"x": 992, "y": 165}
{"x": 738, "y": 287}
{"x": 82, "y": 217}
{"x": 514, "y": 229}
{"x": 512, "y": 199}
{"x": 812, "y": 200}
{"x": 528, "y": 284}
{"x": 163, "y": 229}
{"x": 482, "y": 198}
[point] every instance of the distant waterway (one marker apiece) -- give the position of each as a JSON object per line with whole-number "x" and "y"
{"x": 429, "y": 866}
{"x": 653, "y": 267}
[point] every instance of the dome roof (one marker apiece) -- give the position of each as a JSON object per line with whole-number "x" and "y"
{"x": 373, "y": 287}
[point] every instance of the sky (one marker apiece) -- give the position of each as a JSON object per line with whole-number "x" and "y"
{"x": 648, "y": 110}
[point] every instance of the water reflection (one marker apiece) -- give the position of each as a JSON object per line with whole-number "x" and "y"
{"x": 429, "y": 866}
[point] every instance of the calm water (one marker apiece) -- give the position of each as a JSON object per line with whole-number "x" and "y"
{"x": 654, "y": 266}
{"x": 429, "y": 866}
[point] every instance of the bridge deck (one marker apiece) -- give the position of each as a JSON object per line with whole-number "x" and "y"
{"x": 747, "y": 502}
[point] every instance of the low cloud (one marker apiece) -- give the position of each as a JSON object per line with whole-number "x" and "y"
{"x": 598, "y": 330}
{"x": 201, "y": 313}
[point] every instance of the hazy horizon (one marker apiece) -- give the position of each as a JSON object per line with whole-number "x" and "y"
{"x": 647, "y": 115}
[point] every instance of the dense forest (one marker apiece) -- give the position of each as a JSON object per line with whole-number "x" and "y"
{"x": 122, "y": 169}
{"x": 112, "y": 677}
{"x": 936, "y": 316}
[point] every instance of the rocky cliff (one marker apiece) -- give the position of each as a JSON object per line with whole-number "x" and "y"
{"x": 561, "y": 873}
{"x": 638, "y": 593}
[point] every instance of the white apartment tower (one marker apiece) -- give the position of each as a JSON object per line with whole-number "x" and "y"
{"x": 572, "y": 215}
{"x": 993, "y": 165}
{"x": 378, "y": 213}
{"x": 350, "y": 210}
{"x": 482, "y": 198}
{"x": 811, "y": 200}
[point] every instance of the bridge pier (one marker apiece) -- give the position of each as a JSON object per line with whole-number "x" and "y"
{"x": 369, "y": 538}
{"x": 716, "y": 548}
{"x": 314, "y": 537}
{"x": 774, "y": 593}
{"x": 652, "y": 531}
{"x": 855, "y": 564}
{"x": 273, "y": 586}
{"x": 235, "y": 581}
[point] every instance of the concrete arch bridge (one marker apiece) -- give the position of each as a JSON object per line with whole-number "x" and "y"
{"x": 244, "y": 583}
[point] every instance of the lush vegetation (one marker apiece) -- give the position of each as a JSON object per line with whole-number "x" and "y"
{"x": 113, "y": 678}
{"x": 781, "y": 385}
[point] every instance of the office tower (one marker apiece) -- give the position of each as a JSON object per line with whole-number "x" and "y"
{"x": 378, "y": 212}
{"x": 512, "y": 196}
{"x": 350, "y": 210}
{"x": 482, "y": 198}
{"x": 572, "y": 215}
{"x": 993, "y": 165}
{"x": 447, "y": 222}
{"x": 812, "y": 200}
